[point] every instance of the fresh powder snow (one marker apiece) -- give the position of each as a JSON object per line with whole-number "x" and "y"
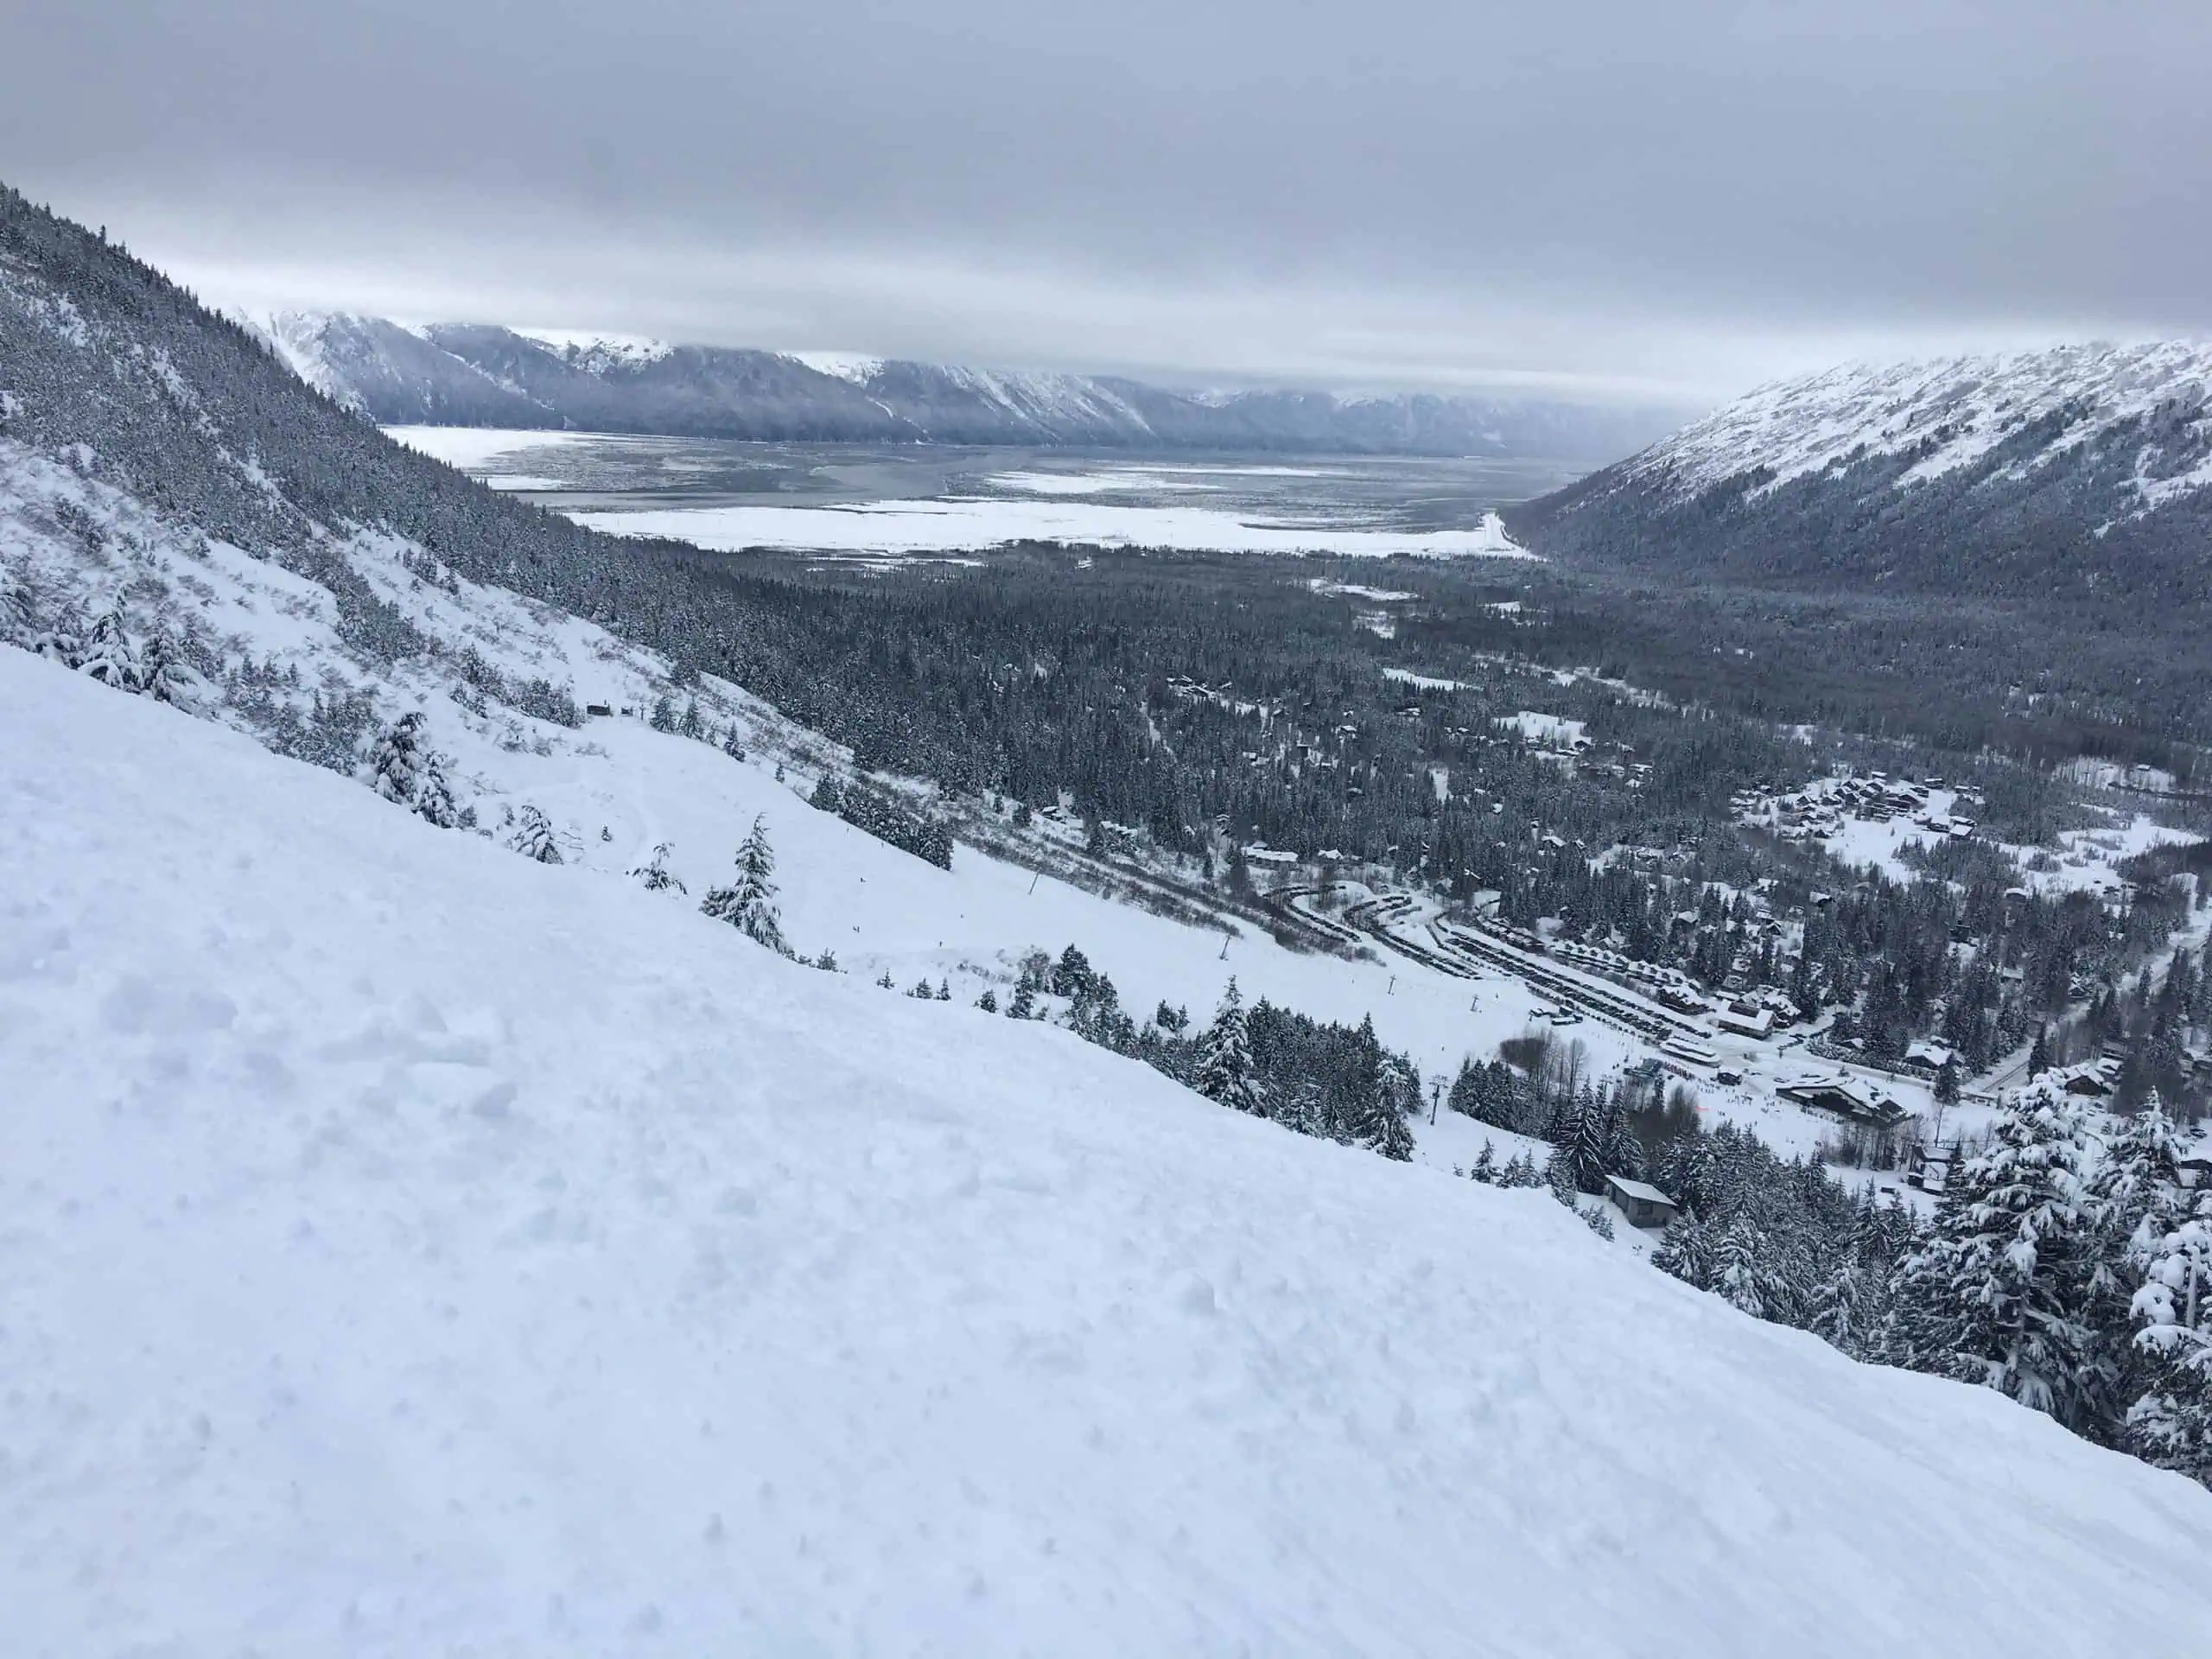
{"x": 407, "y": 1247}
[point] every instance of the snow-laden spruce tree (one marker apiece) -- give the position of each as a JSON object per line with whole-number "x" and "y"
{"x": 1739, "y": 1275}
{"x": 1369, "y": 1107}
{"x": 749, "y": 903}
{"x": 109, "y": 656}
{"x": 433, "y": 802}
{"x": 395, "y": 762}
{"x": 62, "y": 640}
{"x": 2004, "y": 1292}
{"x": 162, "y": 674}
{"x": 1586, "y": 1140}
{"x": 2159, "y": 1234}
{"x": 654, "y": 875}
{"x": 533, "y": 837}
{"x": 2169, "y": 1421}
{"x": 1687, "y": 1251}
{"x": 1224, "y": 1067}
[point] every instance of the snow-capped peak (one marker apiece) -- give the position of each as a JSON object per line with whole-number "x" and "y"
{"x": 596, "y": 353}
{"x": 855, "y": 366}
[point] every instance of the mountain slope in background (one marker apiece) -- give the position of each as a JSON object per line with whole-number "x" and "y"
{"x": 597, "y": 1281}
{"x": 2081, "y": 475}
{"x": 478, "y": 375}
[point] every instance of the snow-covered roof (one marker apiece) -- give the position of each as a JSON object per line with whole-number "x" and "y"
{"x": 1642, "y": 1191}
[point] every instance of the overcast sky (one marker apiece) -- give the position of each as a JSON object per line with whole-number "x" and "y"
{"x": 1654, "y": 200}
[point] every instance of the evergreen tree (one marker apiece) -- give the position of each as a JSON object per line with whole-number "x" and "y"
{"x": 1687, "y": 1251}
{"x": 63, "y": 639}
{"x": 989, "y": 1002}
{"x": 533, "y": 837}
{"x": 1947, "y": 1082}
{"x": 654, "y": 876}
{"x": 163, "y": 676}
{"x": 434, "y": 801}
{"x": 2169, "y": 1421}
{"x": 1364, "y": 1108}
{"x": 1845, "y": 1309}
{"x": 1587, "y": 1139}
{"x": 1224, "y": 1066}
{"x": 2159, "y": 1244}
{"x": 1738, "y": 1274}
{"x": 396, "y": 763}
{"x": 109, "y": 657}
{"x": 2003, "y": 1294}
{"x": 1024, "y": 1004}
{"x": 749, "y": 903}
{"x": 2039, "y": 1052}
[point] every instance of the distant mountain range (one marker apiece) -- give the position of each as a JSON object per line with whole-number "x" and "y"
{"x": 473, "y": 374}
{"x": 2081, "y": 475}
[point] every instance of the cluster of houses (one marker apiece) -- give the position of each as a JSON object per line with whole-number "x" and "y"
{"x": 1822, "y": 807}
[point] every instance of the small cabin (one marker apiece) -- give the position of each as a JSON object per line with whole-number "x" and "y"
{"x": 598, "y": 710}
{"x": 1643, "y": 1204}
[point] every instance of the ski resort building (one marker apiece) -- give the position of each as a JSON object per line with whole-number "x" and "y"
{"x": 1643, "y": 1204}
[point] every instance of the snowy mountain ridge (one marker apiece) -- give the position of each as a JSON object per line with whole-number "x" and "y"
{"x": 2075, "y": 477}
{"x": 486, "y": 375}
{"x": 1950, "y": 413}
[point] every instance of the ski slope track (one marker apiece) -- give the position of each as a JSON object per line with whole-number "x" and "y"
{"x": 406, "y": 1247}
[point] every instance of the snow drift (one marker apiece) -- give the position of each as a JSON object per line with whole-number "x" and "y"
{"x": 405, "y": 1248}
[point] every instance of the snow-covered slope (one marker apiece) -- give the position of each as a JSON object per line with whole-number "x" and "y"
{"x": 368, "y": 363}
{"x": 405, "y": 1248}
{"x": 2076, "y": 476}
{"x": 1948, "y": 414}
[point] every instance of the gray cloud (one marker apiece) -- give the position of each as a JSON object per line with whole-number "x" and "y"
{"x": 1612, "y": 197}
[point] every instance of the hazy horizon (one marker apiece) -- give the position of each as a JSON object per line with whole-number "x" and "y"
{"x": 1605, "y": 203}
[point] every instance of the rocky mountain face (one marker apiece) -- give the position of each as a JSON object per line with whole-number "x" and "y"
{"x": 472, "y": 374}
{"x": 2079, "y": 473}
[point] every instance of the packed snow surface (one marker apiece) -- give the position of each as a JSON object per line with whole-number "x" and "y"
{"x": 958, "y": 524}
{"x": 408, "y": 1249}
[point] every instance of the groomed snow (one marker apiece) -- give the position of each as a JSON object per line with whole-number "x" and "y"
{"x": 950, "y": 525}
{"x": 412, "y": 1249}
